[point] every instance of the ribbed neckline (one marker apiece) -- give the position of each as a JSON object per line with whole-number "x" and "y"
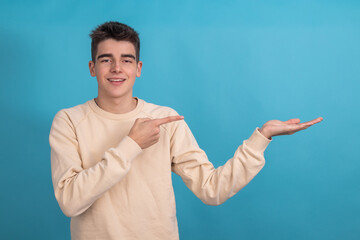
{"x": 98, "y": 110}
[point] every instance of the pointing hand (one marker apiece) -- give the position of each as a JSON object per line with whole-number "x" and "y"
{"x": 146, "y": 132}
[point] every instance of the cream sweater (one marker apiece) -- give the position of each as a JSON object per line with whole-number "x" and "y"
{"x": 112, "y": 189}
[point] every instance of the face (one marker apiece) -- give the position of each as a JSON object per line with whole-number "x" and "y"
{"x": 116, "y": 69}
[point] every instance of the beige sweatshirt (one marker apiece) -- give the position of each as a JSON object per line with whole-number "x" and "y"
{"x": 112, "y": 189}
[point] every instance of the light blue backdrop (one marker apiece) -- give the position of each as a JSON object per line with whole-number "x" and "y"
{"x": 228, "y": 67}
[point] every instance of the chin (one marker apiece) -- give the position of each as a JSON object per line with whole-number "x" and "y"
{"x": 120, "y": 95}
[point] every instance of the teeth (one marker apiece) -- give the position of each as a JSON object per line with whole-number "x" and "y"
{"x": 116, "y": 80}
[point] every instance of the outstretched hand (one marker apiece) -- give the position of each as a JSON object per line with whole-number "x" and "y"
{"x": 275, "y": 127}
{"x": 146, "y": 132}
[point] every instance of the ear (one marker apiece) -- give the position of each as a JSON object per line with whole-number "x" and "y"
{"x": 138, "y": 69}
{"x": 92, "y": 68}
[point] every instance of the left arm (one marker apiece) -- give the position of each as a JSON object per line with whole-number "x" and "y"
{"x": 214, "y": 186}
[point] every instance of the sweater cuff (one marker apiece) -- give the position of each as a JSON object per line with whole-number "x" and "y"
{"x": 129, "y": 148}
{"x": 257, "y": 141}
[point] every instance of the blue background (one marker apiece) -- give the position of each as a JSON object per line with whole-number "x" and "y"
{"x": 228, "y": 67}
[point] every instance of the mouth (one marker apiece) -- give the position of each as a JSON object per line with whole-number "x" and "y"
{"x": 115, "y": 80}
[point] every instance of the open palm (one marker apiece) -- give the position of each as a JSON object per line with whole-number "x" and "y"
{"x": 276, "y": 127}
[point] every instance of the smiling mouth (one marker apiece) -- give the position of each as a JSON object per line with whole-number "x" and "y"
{"x": 116, "y": 80}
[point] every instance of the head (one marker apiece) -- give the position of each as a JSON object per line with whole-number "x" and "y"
{"x": 117, "y": 31}
{"x": 115, "y": 60}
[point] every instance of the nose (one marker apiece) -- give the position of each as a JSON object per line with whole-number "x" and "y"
{"x": 116, "y": 67}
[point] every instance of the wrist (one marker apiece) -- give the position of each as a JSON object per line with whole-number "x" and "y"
{"x": 265, "y": 133}
{"x": 133, "y": 138}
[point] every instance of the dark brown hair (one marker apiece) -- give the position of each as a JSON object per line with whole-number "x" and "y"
{"x": 117, "y": 31}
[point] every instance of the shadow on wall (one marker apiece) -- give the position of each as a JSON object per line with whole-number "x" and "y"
{"x": 28, "y": 208}
{"x": 28, "y": 200}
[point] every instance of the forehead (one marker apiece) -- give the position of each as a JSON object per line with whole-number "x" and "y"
{"x": 115, "y": 47}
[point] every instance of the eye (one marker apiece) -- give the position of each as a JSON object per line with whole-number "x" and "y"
{"x": 105, "y": 60}
{"x": 127, "y": 61}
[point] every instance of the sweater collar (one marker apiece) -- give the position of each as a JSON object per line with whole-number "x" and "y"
{"x": 115, "y": 116}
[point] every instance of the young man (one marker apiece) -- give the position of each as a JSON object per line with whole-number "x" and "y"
{"x": 112, "y": 156}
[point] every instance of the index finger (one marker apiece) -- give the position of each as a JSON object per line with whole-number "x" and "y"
{"x": 319, "y": 119}
{"x": 164, "y": 120}
{"x": 312, "y": 122}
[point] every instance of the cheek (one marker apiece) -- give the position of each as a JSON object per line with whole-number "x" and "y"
{"x": 130, "y": 72}
{"x": 100, "y": 72}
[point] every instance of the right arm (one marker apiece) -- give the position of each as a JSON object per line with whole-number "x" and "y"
{"x": 76, "y": 188}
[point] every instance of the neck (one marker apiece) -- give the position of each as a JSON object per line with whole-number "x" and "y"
{"x": 115, "y": 105}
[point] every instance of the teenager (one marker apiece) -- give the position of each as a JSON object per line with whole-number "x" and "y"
{"x": 112, "y": 157}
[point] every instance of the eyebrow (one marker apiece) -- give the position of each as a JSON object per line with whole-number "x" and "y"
{"x": 110, "y": 55}
{"x": 128, "y": 55}
{"x": 104, "y": 55}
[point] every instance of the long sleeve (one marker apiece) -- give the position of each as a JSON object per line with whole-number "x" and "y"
{"x": 215, "y": 186}
{"x": 76, "y": 188}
